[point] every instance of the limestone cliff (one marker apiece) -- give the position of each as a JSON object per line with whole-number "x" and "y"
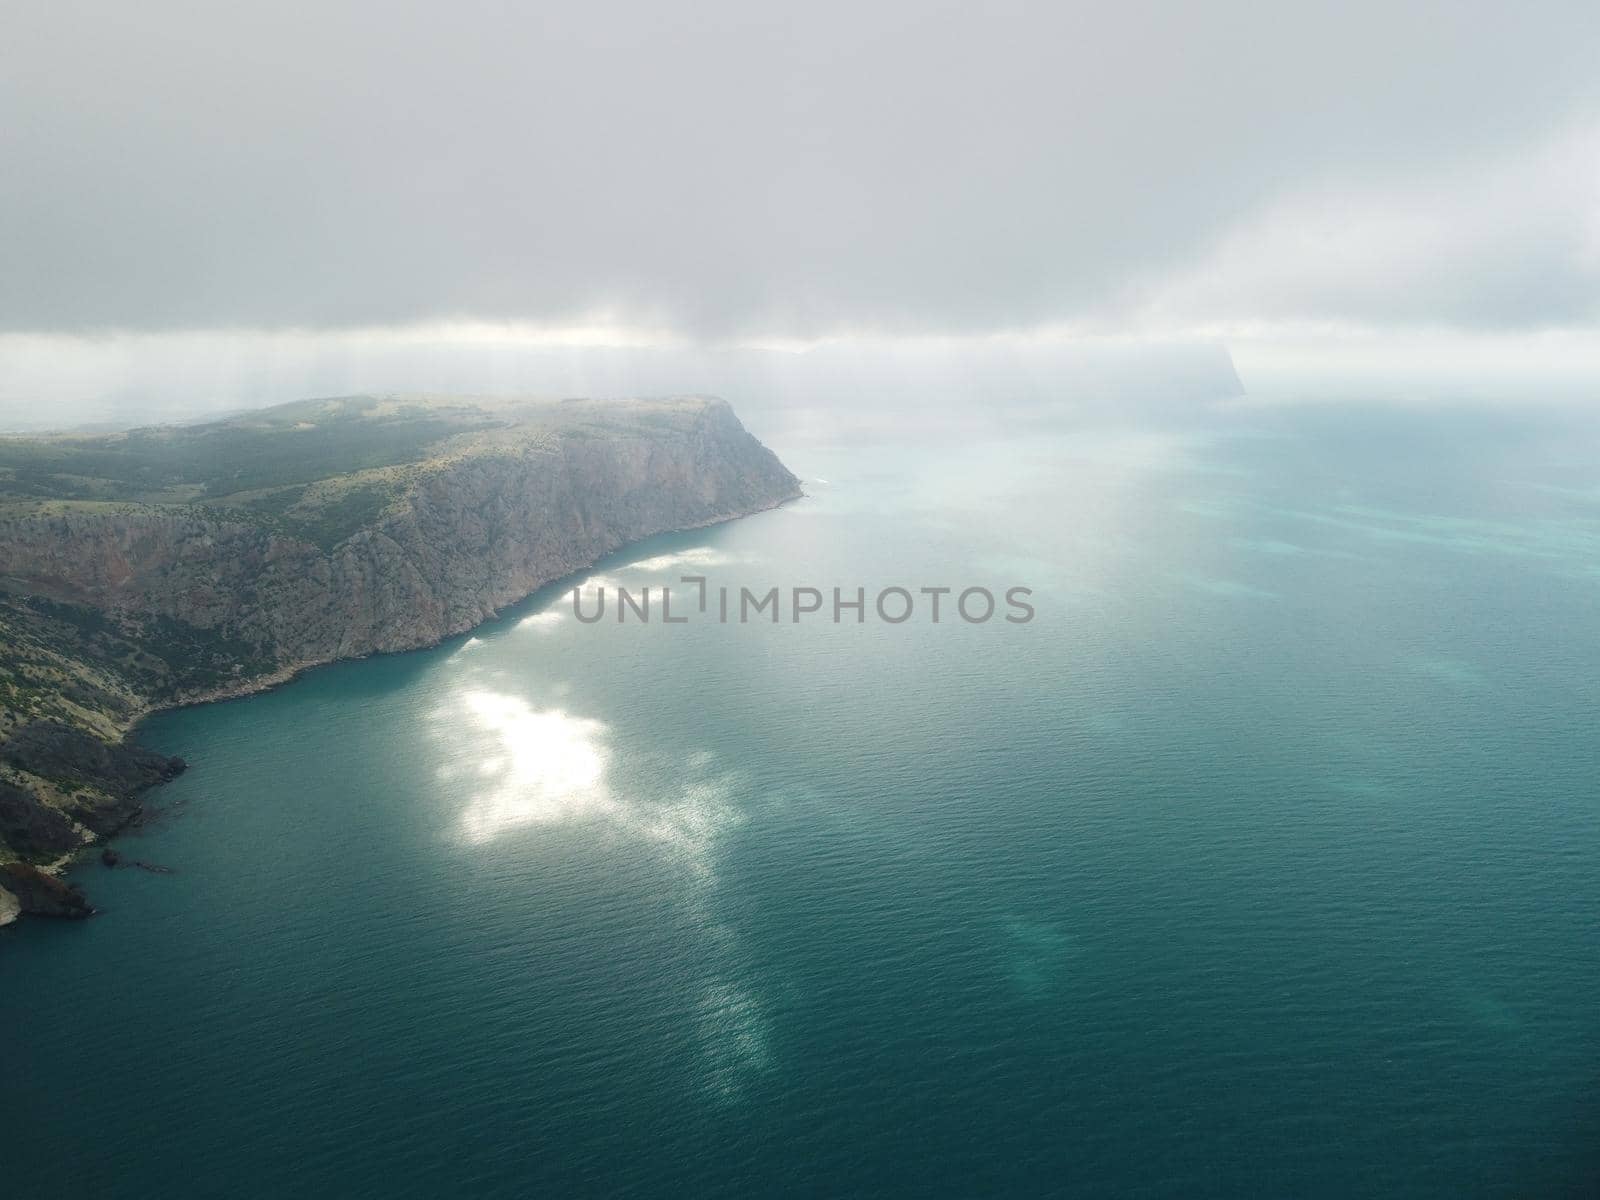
{"x": 184, "y": 564}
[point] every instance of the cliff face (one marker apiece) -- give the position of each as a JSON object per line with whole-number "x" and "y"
{"x": 472, "y": 533}
{"x": 113, "y": 608}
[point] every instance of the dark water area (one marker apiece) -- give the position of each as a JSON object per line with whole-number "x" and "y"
{"x": 1265, "y": 860}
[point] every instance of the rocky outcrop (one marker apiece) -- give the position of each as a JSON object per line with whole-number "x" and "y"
{"x": 41, "y": 894}
{"x": 61, "y": 752}
{"x": 34, "y": 829}
{"x": 84, "y": 788}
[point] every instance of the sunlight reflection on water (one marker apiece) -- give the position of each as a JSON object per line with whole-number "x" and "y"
{"x": 519, "y": 766}
{"x": 539, "y": 765}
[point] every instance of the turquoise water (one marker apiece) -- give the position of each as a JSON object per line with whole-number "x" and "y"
{"x": 1265, "y": 860}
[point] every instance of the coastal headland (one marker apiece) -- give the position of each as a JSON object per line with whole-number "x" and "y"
{"x": 178, "y": 564}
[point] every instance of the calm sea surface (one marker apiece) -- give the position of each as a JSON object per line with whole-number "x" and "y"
{"x": 1265, "y": 860}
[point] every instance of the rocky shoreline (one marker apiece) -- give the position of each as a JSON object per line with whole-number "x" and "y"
{"x": 131, "y": 612}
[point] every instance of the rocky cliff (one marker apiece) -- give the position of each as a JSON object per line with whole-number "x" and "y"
{"x": 175, "y": 565}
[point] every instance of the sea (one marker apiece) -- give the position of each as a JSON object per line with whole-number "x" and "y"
{"x": 1260, "y": 858}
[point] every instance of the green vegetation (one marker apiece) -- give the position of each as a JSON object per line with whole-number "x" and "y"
{"x": 293, "y": 444}
{"x": 62, "y": 661}
{"x": 319, "y": 470}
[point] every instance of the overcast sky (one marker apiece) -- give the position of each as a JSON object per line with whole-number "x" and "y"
{"x": 744, "y": 172}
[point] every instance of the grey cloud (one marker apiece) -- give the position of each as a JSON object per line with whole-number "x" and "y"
{"x": 59, "y": 381}
{"x": 1511, "y": 242}
{"x": 723, "y": 169}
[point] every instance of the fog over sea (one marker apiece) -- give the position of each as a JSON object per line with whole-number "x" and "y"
{"x": 1264, "y": 860}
